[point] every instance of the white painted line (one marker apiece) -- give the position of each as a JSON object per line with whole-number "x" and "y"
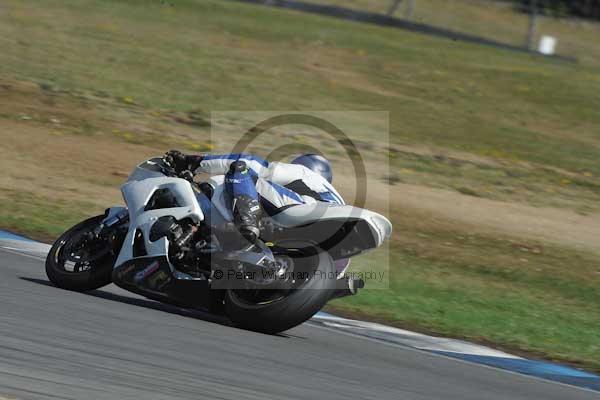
{"x": 26, "y": 246}
{"x": 412, "y": 339}
{"x": 458, "y": 360}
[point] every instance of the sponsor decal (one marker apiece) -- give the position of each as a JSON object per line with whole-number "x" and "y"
{"x": 123, "y": 271}
{"x": 146, "y": 272}
{"x": 159, "y": 280}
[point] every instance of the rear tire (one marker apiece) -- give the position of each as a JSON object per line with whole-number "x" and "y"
{"x": 291, "y": 310}
{"x": 97, "y": 276}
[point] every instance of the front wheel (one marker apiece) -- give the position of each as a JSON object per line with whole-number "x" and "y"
{"x": 273, "y": 311}
{"x": 78, "y": 262}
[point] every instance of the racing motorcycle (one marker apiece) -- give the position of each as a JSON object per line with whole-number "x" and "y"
{"x": 174, "y": 242}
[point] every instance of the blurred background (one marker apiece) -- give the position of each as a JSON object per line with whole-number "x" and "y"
{"x": 488, "y": 168}
{"x": 522, "y": 23}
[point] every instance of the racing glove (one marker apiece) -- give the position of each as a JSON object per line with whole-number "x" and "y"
{"x": 182, "y": 162}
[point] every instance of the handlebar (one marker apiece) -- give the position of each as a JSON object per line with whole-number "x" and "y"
{"x": 168, "y": 170}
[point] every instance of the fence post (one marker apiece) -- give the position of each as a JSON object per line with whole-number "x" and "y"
{"x": 533, "y": 16}
{"x": 410, "y": 8}
{"x": 393, "y": 7}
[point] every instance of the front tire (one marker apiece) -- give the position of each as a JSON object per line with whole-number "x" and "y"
{"x": 292, "y": 310}
{"x": 98, "y": 273}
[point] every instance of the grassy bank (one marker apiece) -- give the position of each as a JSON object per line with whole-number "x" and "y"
{"x": 496, "y": 20}
{"x": 493, "y": 184}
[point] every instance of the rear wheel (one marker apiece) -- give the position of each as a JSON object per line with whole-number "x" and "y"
{"x": 78, "y": 262}
{"x": 276, "y": 310}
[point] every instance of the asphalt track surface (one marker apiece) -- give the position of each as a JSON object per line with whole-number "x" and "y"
{"x": 109, "y": 344}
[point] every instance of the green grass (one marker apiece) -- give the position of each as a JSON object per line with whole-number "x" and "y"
{"x": 517, "y": 128}
{"x": 495, "y": 20}
{"x": 217, "y": 55}
{"x": 42, "y": 217}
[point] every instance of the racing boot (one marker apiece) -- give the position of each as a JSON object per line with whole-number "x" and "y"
{"x": 245, "y": 205}
{"x": 246, "y": 214}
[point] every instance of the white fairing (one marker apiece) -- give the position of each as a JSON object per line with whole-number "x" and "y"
{"x": 305, "y": 213}
{"x": 137, "y": 193}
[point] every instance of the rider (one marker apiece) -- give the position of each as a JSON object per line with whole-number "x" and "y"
{"x": 254, "y": 185}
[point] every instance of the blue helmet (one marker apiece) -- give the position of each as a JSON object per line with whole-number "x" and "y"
{"x": 315, "y": 163}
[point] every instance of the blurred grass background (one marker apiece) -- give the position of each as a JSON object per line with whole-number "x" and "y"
{"x": 497, "y": 20}
{"x": 493, "y": 155}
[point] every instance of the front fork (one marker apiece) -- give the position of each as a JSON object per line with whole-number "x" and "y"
{"x": 106, "y": 230}
{"x": 115, "y": 216}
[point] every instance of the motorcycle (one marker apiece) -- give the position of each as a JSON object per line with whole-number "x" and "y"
{"x": 174, "y": 242}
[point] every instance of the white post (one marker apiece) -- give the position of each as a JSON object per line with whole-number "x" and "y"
{"x": 547, "y": 45}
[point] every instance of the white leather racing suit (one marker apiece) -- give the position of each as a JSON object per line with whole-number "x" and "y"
{"x": 278, "y": 185}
